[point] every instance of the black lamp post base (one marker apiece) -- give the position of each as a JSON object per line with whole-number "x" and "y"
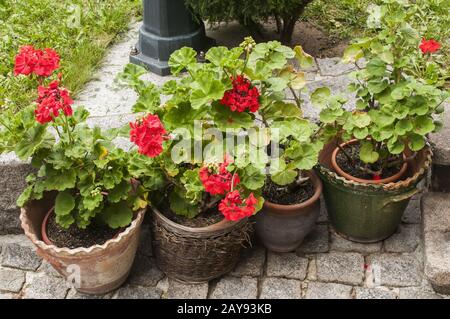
{"x": 168, "y": 26}
{"x": 164, "y": 47}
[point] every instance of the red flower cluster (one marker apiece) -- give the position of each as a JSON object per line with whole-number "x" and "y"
{"x": 429, "y": 46}
{"x": 217, "y": 180}
{"x": 242, "y": 96}
{"x": 148, "y": 134}
{"x": 42, "y": 63}
{"x": 234, "y": 208}
{"x": 52, "y": 99}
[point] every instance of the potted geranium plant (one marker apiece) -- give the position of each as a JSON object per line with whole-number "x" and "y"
{"x": 81, "y": 207}
{"x": 292, "y": 190}
{"x": 193, "y": 155}
{"x": 378, "y": 152}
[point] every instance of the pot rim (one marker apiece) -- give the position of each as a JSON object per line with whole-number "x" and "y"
{"x": 346, "y": 175}
{"x": 52, "y": 249}
{"x": 44, "y": 225}
{"x": 220, "y": 226}
{"x": 318, "y": 186}
{"x": 324, "y": 171}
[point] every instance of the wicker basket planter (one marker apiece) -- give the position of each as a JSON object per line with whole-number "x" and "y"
{"x": 195, "y": 255}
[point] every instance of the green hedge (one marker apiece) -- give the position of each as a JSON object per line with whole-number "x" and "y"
{"x": 250, "y": 12}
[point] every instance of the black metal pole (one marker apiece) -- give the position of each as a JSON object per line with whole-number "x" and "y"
{"x": 168, "y": 25}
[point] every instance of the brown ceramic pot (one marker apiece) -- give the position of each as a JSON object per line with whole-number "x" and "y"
{"x": 341, "y": 172}
{"x": 282, "y": 228}
{"x": 98, "y": 269}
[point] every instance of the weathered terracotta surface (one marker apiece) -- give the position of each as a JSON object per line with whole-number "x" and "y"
{"x": 386, "y": 180}
{"x": 102, "y": 268}
{"x": 282, "y": 228}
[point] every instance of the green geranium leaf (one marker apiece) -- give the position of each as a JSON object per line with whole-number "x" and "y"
{"x": 280, "y": 109}
{"x": 25, "y": 196}
{"x": 360, "y": 133}
{"x": 380, "y": 118}
{"x": 60, "y": 180}
{"x": 65, "y": 220}
{"x": 225, "y": 118}
{"x": 360, "y": 120}
{"x": 181, "y": 58}
{"x": 304, "y": 59}
{"x": 376, "y": 86}
{"x": 376, "y": 67}
{"x": 403, "y": 126}
{"x": 395, "y": 146}
{"x": 277, "y": 84}
{"x": 207, "y": 89}
{"x": 367, "y": 153}
{"x": 182, "y": 207}
{"x": 91, "y": 202}
{"x": 423, "y": 125}
{"x": 307, "y": 158}
{"x": 253, "y": 178}
{"x": 222, "y": 56}
{"x": 64, "y": 203}
{"x": 193, "y": 185}
{"x": 284, "y": 177}
{"x": 117, "y": 215}
{"x": 387, "y": 57}
{"x": 119, "y": 192}
{"x": 148, "y": 101}
{"x": 35, "y": 138}
{"x": 320, "y": 96}
{"x": 416, "y": 142}
{"x": 352, "y": 54}
{"x": 330, "y": 115}
{"x": 380, "y": 134}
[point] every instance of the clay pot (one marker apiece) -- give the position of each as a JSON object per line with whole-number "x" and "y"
{"x": 282, "y": 228}
{"x": 195, "y": 255}
{"x": 386, "y": 180}
{"x": 98, "y": 269}
{"x": 368, "y": 212}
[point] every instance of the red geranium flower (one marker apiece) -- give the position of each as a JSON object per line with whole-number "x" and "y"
{"x": 429, "y": 46}
{"x": 234, "y": 208}
{"x": 26, "y": 60}
{"x": 148, "y": 134}
{"x": 243, "y": 96}
{"x": 50, "y": 101}
{"x": 42, "y": 63}
{"x": 217, "y": 179}
{"x": 47, "y": 63}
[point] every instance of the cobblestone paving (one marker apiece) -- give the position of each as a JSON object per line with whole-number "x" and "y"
{"x": 336, "y": 269}
{"x": 325, "y": 266}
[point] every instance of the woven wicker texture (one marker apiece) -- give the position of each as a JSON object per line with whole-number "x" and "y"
{"x": 197, "y": 254}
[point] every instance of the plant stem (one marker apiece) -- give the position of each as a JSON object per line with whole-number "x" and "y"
{"x": 66, "y": 121}
{"x": 297, "y": 99}
{"x": 349, "y": 158}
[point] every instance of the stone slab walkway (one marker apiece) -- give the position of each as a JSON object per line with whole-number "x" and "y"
{"x": 325, "y": 266}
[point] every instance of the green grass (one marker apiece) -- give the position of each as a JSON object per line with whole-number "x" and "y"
{"x": 80, "y": 30}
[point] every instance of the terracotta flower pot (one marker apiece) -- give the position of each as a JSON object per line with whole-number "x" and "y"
{"x": 98, "y": 269}
{"x": 196, "y": 255}
{"x": 282, "y": 228}
{"x": 386, "y": 180}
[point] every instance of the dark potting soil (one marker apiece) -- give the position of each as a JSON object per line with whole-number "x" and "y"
{"x": 208, "y": 218}
{"x": 75, "y": 237}
{"x": 289, "y": 194}
{"x": 355, "y": 170}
